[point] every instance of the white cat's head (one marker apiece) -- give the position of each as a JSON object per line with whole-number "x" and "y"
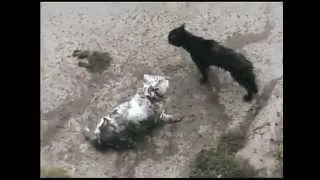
{"x": 155, "y": 86}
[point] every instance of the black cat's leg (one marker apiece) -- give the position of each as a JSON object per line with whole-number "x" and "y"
{"x": 202, "y": 67}
{"x": 251, "y": 88}
{"x": 247, "y": 81}
{"x": 248, "y": 96}
{"x": 204, "y": 72}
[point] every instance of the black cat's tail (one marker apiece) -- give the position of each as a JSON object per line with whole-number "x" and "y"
{"x": 247, "y": 65}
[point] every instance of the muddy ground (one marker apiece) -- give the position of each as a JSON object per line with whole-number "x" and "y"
{"x": 135, "y": 35}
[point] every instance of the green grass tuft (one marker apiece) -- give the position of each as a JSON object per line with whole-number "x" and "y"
{"x": 220, "y": 162}
{"x": 53, "y": 172}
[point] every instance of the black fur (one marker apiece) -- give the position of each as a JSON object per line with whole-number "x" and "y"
{"x": 205, "y": 53}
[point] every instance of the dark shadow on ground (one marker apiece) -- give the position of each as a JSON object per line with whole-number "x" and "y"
{"x": 93, "y": 61}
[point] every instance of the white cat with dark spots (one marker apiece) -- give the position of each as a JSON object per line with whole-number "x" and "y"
{"x": 130, "y": 121}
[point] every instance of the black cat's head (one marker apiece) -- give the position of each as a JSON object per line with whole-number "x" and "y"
{"x": 176, "y": 36}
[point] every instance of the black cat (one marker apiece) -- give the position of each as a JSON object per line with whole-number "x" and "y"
{"x": 206, "y": 52}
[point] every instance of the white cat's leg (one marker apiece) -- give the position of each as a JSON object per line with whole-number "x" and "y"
{"x": 170, "y": 118}
{"x": 97, "y": 130}
{"x": 88, "y": 134}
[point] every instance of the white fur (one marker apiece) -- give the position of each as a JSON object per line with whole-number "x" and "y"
{"x": 146, "y": 103}
{"x": 139, "y": 108}
{"x": 97, "y": 130}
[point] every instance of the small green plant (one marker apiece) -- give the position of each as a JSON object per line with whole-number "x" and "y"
{"x": 219, "y": 162}
{"x": 279, "y": 157}
{"x": 231, "y": 142}
{"x": 53, "y": 172}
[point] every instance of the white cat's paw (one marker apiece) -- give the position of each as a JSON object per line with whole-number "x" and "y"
{"x": 86, "y": 129}
{"x": 178, "y": 118}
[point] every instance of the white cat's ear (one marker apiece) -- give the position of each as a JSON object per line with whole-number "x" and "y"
{"x": 147, "y": 78}
{"x": 167, "y": 77}
{"x": 163, "y": 86}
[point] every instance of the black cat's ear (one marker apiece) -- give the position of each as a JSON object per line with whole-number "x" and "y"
{"x": 183, "y": 25}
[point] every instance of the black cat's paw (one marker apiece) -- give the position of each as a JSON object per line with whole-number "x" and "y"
{"x": 204, "y": 81}
{"x": 247, "y": 98}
